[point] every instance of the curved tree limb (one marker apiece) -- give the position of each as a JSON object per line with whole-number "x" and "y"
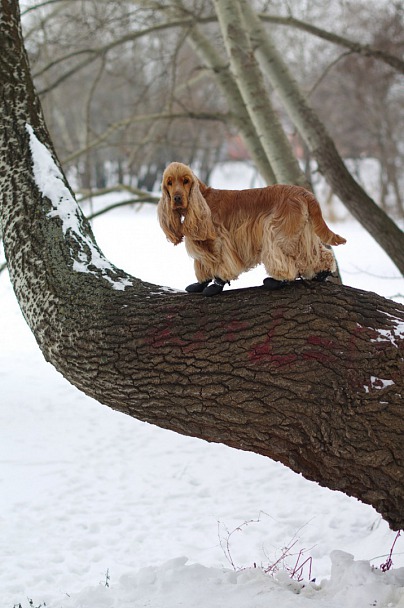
{"x": 132, "y": 201}
{"x": 311, "y": 376}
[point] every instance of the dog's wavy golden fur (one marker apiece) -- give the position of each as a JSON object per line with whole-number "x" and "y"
{"x": 227, "y": 232}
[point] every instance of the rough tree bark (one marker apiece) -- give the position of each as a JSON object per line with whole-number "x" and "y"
{"x": 311, "y": 376}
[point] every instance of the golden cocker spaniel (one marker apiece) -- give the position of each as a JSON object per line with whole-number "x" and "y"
{"x": 227, "y": 232}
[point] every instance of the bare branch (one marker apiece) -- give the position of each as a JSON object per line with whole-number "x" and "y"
{"x": 326, "y": 71}
{"x": 40, "y": 5}
{"x": 102, "y": 50}
{"x": 147, "y": 199}
{"x": 355, "y": 47}
{"x": 143, "y": 118}
{"x": 86, "y": 194}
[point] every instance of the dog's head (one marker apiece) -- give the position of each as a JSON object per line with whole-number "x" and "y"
{"x": 182, "y": 210}
{"x": 177, "y": 184}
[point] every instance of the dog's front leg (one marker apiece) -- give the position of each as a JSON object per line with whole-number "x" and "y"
{"x": 203, "y": 275}
{"x": 215, "y": 288}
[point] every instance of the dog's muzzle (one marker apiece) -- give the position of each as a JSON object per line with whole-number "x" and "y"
{"x": 179, "y": 202}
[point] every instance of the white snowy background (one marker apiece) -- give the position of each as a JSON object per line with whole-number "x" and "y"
{"x": 100, "y": 510}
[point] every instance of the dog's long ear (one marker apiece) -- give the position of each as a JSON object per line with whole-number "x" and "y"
{"x": 170, "y": 220}
{"x": 198, "y": 223}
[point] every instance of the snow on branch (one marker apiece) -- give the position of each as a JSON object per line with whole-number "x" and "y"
{"x": 50, "y": 182}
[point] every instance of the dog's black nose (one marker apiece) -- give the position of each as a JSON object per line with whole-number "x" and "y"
{"x": 177, "y": 199}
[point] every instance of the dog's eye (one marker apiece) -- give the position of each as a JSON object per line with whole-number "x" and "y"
{"x": 169, "y": 182}
{"x": 186, "y": 180}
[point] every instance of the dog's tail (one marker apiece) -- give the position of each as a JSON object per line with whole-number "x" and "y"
{"x": 327, "y": 236}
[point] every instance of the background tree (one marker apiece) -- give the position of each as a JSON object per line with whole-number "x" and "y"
{"x": 258, "y": 371}
{"x": 169, "y": 105}
{"x": 330, "y": 164}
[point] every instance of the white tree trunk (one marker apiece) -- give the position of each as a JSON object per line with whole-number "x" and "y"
{"x": 320, "y": 144}
{"x": 239, "y": 115}
{"x": 252, "y": 88}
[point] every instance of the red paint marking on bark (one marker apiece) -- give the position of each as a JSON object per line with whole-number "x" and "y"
{"x": 233, "y": 328}
{"x": 197, "y": 340}
{"x": 318, "y": 355}
{"x": 281, "y": 360}
{"x": 262, "y": 352}
{"x": 321, "y": 341}
{"x": 322, "y": 354}
{"x": 368, "y": 331}
{"x": 165, "y": 334}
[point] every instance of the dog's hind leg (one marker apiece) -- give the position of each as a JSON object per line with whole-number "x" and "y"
{"x": 321, "y": 264}
{"x": 273, "y": 284}
{"x": 280, "y": 265}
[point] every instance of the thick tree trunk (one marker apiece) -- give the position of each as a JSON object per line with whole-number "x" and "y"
{"x": 311, "y": 376}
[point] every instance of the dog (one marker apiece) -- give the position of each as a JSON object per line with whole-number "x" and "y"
{"x": 228, "y": 232}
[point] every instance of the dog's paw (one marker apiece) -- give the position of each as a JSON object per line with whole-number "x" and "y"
{"x": 320, "y": 277}
{"x": 197, "y": 287}
{"x": 272, "y": 284}
{"x": 215, "y": 288}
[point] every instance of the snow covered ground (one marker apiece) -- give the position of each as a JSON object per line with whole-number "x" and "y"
{"x": 100, "y": 510}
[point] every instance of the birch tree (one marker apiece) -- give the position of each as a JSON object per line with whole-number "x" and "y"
{"x": 320, "y": 144}
{"x": 251, "y": 86}
{"x": 239, "y": 115}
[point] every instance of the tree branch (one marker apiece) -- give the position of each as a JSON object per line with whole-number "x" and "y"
{"x": 132, "y": 201}
{"x": 102, "y": 50}
{"x": 144, "y": 118}
{"x": 311, "y": 376}
{"x": 39, "y": 5}
{"x": 356, "y": 47}
{"x": 365, "y": 50}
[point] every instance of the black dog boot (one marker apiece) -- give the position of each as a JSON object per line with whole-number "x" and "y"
{"x": 272, "y": 284}
{"x": 322, "y": 276}
{"x": 215, "y": 288}
{"x": 197, "y": 287}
